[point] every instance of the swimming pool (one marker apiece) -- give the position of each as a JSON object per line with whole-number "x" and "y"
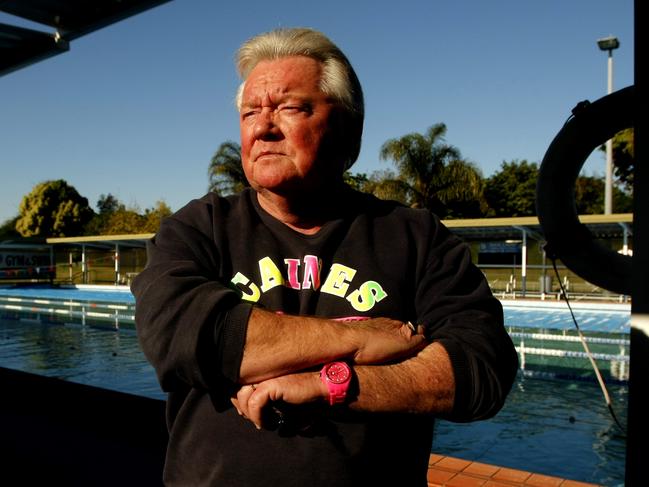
{"x": 91, "y": 294}
{"x": 111, "y": 305}
{"x": 91, "y": 355}
{"x": 592, "y": 317}
{"x": 556, "y": 427}
{"x": 543, "y": 332}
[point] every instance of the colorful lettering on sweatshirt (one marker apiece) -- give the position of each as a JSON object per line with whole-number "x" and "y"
{"x": 300, "y": 274}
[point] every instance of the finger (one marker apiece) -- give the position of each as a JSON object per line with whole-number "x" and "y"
{"x": 407, "y": 329}
{"x": 256, "y": 404}
{"x": 416, "y": 330}
{"x": 235, "y": 403}
{"x": 243, "y": 397}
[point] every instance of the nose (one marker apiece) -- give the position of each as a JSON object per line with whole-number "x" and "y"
{"x": 265, "y": 127}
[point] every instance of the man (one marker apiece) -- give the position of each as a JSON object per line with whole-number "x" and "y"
{"x": 279, "y": 319}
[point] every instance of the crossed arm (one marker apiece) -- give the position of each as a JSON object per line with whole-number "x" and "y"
{"x": 183, "y": 315}
{"x": 396, "y": 370}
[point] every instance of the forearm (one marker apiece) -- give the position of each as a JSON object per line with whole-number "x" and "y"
{"x": 421, "y": 384}
{"x": 278, "y": 344}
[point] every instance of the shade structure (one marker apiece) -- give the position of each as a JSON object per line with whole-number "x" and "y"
{"x": 21, "y": 46}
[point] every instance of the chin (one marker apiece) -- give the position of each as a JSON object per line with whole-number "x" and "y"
{"x": 293, "y": 187}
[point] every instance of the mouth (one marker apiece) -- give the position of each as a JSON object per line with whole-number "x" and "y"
{"x": 268, "y": 154}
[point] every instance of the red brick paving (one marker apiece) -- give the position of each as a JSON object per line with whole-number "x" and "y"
{"x": 455, "y": 472}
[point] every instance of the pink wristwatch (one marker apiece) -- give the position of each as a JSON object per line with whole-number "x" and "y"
{"x": 337, "y": 376}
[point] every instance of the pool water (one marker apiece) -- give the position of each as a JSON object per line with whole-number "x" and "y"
{"x": 92, "y": 355}
{"x": 610, "y": 319}
{"x": 554, "y": 427}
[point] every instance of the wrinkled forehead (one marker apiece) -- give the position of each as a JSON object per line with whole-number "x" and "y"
{"x": 298, "y": 76}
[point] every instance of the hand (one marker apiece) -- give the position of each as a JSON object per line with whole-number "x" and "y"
{"x": 383, "y": 340}
{"x": 295, "y": 389}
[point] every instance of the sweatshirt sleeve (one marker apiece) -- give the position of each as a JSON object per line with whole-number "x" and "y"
{"x": 458, "y": 310}
{"x": 190, "y": 324}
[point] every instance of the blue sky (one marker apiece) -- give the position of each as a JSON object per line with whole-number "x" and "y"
{"x": 137, "y": 109}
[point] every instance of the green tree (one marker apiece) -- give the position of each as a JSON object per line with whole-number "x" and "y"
{"x": 355, "y": 181}
{"x": 124, "y": 221}
{"x": 624, "y": 157}
{"x": 622, "y": 200}
{"x": 114, "y": 218}
{"x": 53, "y": 209}
{"x": 107, "y": 204}
{"x": 589, "y": 196}
{"x": 386, "y": 185}
{"x": 225, "y": 171}
{"x": 153, "y": 216}
{"x": 511, "y": 191}
{"x": 8, "y": 230}
{"x": 436, "y": 176}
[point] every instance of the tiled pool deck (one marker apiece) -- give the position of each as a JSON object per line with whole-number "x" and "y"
{"x": 455, "y": 472}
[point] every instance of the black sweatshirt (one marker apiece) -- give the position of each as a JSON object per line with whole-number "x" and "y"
{"x": 217, "y": 257}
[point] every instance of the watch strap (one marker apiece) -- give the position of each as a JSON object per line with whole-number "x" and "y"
{"x": 337, "y": 376}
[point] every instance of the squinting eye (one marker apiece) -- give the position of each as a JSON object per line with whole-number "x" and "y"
{"x": 249, "y": 113}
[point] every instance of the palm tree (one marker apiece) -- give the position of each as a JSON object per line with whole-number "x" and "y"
{"x": 382, "y": 184}
{"x": 434, "y": 172}
{"x": 225, "y": 170}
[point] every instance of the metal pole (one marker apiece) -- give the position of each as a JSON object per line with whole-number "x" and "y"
{"x": 608, "y": 187}
{"x": 84, "y": 265}
{"x": 544, "y": 273}
{"x": 625, "y": 247}
{"x": 625, "y": 238}
{"x": 524, "y": 264}
{"x": 52, "y": 263}
{"x": 117, "y": 264}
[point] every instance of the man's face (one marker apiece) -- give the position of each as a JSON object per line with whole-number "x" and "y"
{"x": 287, "y": 125}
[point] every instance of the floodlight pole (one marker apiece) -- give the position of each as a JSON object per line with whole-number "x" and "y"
{"x": 608, "y": 44}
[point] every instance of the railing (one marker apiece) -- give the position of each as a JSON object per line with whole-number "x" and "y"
{"x": 38, "y": 273}
{"x": 507, "y": 282}
{"x": 613, "y": 354}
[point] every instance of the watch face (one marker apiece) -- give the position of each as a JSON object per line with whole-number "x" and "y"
{"x": 338, "y": 372}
